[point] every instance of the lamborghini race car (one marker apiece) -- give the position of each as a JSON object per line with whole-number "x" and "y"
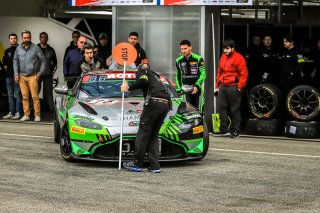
{"x": 88, "y": 119}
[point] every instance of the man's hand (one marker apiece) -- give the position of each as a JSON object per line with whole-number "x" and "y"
{"x": 16, "y": 78}
{"x": 124, "y": 87}
{"x": 37, "y": 76}
{"x": 195, "y": 90}
{"x": 216, "y": 92}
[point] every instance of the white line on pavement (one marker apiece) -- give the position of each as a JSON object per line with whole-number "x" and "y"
{"x": 31, "y": 136}
{"x": 266, "y": 153}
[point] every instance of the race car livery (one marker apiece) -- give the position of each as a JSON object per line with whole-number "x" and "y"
{"x": 88, "y": 119}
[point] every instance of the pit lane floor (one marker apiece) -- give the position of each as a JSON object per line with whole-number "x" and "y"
{"x": 238, "y": 175}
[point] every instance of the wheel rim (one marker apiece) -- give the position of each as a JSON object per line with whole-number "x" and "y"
{"x": 65, "y": 143}
{"x": 304, "y": 102}
{"x": 262, "y": 102}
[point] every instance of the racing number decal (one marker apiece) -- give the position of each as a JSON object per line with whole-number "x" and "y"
{"x": 78, "y": 130}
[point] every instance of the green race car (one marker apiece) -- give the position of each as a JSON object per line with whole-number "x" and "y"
{"x": 88, "y": 119}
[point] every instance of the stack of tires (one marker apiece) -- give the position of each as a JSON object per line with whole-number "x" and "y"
{"x": 303, "y": 104}
{"x": 264, "y": 102}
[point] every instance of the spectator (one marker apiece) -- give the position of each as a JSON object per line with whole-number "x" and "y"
{"x": 14, "y": 93}
{"x": 29, "y": 65}
{"x": 252, "y": 55}
{"x": 141, "y": 56}
{"x": 190, "y": 70}
{"x": 89, "y": 62}
{"x": 72, "y": 63}
{"x": 50, "y": 68}
{"x": 104, "y": 49}
{"x": 231, "y": 80}
{"x": 96, "y": 53}
{"x": 73, "y": 44}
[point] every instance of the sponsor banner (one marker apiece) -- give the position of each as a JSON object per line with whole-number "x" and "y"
{"x": 109, "y": 76}
{"x": 91, "y": 3}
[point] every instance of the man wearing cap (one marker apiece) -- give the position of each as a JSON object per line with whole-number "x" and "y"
{"x": 104, "y": 49}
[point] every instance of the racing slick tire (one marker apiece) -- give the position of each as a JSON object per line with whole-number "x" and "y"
{"x": 298, "y": 129}
{"x": 65, "y": 144}
{"x": 56, "y": 129}
{"x": 303, "y": 103}
{"x": 272, "y": 127}
{"x": 264, "y": 100}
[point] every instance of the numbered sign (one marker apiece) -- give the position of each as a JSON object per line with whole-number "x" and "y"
{"x": 124, "y": 52}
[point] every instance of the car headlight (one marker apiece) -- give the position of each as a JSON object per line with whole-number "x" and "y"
{"x": 88, "y": 124}
{"x": 190, "y": 123}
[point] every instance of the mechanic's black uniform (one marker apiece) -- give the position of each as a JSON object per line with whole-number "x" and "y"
{"x": 154, "y": 112}
{"x": 309, "y": 69}
{"x": 290, "y": 73}
{"x": 268, "y": 65}
{"x": 252, "y": 57}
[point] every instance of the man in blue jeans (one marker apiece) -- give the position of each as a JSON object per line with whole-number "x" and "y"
{"x": 14, "y": 94}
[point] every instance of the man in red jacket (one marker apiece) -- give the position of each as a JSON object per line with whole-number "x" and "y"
{"x": 231, "y": 80}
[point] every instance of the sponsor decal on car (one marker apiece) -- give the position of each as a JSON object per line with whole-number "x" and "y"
{"x": 78, "y": 130}
{"x": 82, "y": 117}
{"x": 197, "y": 129}
{"x": 113, "y": 76}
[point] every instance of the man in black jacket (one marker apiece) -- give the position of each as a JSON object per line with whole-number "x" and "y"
{"x": 156, "y": 107}
{"x": 14, "y": 93}
{"x": 292, "y": 63}
{"x": 50, "y": 68}
{"x": 141, "y": 56}
{"x": 73, "y": 44}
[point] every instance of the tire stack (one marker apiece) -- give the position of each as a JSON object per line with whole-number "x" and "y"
{"x": 264, "y": 102}
{"x": 303, "y": 104}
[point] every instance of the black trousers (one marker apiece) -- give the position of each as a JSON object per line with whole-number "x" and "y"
{"x": 229, "y": 102}
{"x": 47, "y": 90}
{"x": 194, "y": 99}
{"x": 147, "y": 137}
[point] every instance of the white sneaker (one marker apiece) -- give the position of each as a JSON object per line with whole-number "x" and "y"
{"x": 8, "y": 116}
{"x": 25, "y": 118}
{"x": 37, "y": 118}
{"x": 16, "y": 116}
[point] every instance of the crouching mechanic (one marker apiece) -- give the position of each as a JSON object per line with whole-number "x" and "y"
{"x": 156, "y": 107}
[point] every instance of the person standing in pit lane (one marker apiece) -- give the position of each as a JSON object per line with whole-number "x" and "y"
{"x": 156, "y": 107}
{"x": 190, "y": 70}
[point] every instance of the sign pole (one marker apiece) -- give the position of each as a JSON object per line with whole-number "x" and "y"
{"x": 122, "y": 114}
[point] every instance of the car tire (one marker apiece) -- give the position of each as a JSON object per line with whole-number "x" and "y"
{"x": 56, "y": 129}
{"x": 264, "y": 100}
{"x": 303, "y": 103}
{"x": 272, "y": 127}
{"x": 65, "y": 144}
{"x": 298, "y": 129}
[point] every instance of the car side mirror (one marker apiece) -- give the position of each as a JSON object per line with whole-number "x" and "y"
{"x": 61, "y": 89}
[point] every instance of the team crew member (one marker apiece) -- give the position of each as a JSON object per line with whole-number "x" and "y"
{"x": 73, "y": 44}
{"x": 89, "y": 61}
{"x": 141, "y": 56}
{"x": 231, "y": 80}
{"x": 190, "y": 70}
{"x": 156, "y": 107}
{"x": 268, "y": 62}
{"x": 292, "y": 63}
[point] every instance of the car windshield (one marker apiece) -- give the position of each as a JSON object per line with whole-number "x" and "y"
{"x": 100, "y": 86}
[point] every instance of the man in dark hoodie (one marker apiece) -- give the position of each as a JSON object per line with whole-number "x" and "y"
{"x": 141, "y": 56}
{"x": 50, "y": 68}
{"x": 104, "y": 49}
{"x": 14, "y": 93}
{"x": 73, "y": 44}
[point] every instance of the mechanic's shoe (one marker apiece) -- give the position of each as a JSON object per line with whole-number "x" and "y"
{"x": 25, "y": 118}
{"x": 221, "y": 134}
{"x": 16, "y": 116}
{"x": 37, "y": 118}
{"x": 235, "y": 134}
{"x": 131, "y": 166}
{"x": 8, "y": 116}
{"x": 154, "y": 170}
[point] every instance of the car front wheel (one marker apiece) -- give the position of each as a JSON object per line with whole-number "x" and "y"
{"x": 65, "y": 144}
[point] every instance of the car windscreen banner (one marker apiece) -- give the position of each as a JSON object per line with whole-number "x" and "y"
{"x": 109, "y": 76}
{"x": 90, "y": 3}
